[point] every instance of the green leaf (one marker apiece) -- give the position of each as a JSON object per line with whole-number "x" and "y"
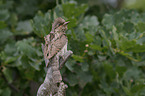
{"x": 141, "y": 41}
{"x": 29, "y": 74}
{"x": 72, "y": 79}
{"x": 58, "y": 11}
{"x": 78, "y": 58}
{"x": 6, "y": 92}
{"x": 27, "y": 8}
{"x": 4, "y": 35}
{"x": 35, "y": 64}
{"x": 105, "y": 87}
{"x": 101, "y": 57}
{"x": 141, "y": 26}
{"x": 69, "y": 64}
{"x": 121, "y": 70}
{"x": 2, "y": 25}
{"x": 24, "y": 61}
{"x": 84, "y": 78}
{"x": 127, "y": 91}
{"x": 89, "y": 24}
{"x": 142, "y": 92}
{"x": 131, "y": 46}
{"x": 115, "y": 35}
{"x": 8, "y": 74}
{"x": 89, "y": 37}
{"x": 10, "y": 48}
{"x": 24, "y": 27}
{"x": 132, "y": 73}
{"x": 129, "y": 56}
{"x": 84, "y": 66}
{"x": 72, "y": 23}
{"x": 4, "y": 15}
{"x": 72, "y": 10}
{"x": 109, "y": 71}
{"x": 42, "y": 23}
{"x": 11, "y": 59}
{"x": 25, "y": 48}
{"x": 137, "y": 88}
{"x": 128, "y": 27}
{"x": 96, "y": 47}
{"x": 108, "y": 21}
{"x": 90, "y": 21}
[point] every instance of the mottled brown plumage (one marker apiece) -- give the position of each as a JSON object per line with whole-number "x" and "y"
{"x": 56, "y": 40}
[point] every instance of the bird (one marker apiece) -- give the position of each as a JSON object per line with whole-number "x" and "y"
{"x": 56, "y": 41}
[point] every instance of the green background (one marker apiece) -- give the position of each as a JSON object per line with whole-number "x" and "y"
{"x": 107, "y": 39}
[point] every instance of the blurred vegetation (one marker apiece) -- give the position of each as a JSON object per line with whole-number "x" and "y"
{"x": 108, "y": 44}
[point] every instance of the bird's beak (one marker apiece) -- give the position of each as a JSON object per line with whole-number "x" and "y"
{"x": 65, "y": 23}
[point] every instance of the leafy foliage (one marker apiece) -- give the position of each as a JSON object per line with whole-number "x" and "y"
{"x": 108, "y": 57}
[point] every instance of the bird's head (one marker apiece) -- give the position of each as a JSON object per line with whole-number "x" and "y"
{"x": 59, "y": 25}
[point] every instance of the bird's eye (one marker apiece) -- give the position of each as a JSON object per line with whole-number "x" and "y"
{"x": 58, "y": 25}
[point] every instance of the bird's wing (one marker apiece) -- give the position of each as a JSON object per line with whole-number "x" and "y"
{"x": 57, "y": 45}
{"x": 46, "y": 48}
